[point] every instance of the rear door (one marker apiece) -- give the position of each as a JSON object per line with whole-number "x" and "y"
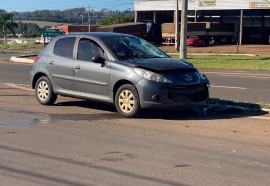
{"x": 61, "y": 63}
{"x": 91, "y": 77}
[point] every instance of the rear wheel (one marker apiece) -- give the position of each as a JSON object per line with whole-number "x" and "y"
{"x": 127, "y": 101}
{"x": 44, "y": 91}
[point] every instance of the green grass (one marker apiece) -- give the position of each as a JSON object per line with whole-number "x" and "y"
{"x": 42, "y": 24}
{"x": 21, "y": 47}
{"x": 263, "y": 105}
{"x": 233, "y": 62}
{"x": 31, "y": 57}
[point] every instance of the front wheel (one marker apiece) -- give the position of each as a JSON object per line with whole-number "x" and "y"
{"x": 127, "y": 101}
{"x": 44, "y": 91}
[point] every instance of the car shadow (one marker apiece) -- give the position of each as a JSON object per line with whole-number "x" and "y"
{"x": 88, "y": 104}
{"x": 190, "y": 115}
{"x": 164, "y": 114}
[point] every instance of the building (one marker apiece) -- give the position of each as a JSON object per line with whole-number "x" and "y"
{"x": 255, "y": 14}
{"x": 77, "y": 28}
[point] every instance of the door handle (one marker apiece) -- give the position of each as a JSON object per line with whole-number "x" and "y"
{"x": 78, "y": 67}
{"x": 51, "y": 63}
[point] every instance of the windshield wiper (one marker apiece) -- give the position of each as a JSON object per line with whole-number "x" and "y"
{"x": 152, "y": 56}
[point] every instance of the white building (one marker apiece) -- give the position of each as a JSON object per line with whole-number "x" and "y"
{"x": 256, "y": 14}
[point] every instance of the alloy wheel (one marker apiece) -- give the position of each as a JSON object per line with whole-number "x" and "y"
{"x": 43, "y": 91}
{"x": 126, "y": 101}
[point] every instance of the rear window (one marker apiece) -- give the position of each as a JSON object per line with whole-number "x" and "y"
{"x": 64, "y": 47}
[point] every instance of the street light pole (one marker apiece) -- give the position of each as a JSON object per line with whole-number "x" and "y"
{"x": 176, "y": 23}
{"x": 82, "y": 15}
{"x": 89, "y": 22}
{"x": 183, "y": 37}
{"x": 241, "y": 27}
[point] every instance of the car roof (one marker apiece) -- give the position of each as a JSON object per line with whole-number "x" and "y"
{"x": 97, "y": 34}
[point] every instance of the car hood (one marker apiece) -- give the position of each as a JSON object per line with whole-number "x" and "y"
{"x": 160, "y": 64}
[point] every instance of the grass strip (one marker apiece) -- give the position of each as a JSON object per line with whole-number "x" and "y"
{"x": 21, "y": 47}
{"x": 232, "y": 62}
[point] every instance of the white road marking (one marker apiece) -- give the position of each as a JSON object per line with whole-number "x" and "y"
{"x": 241, "y": 88}
{"x": 24, "y": 87}
{"x": 240, "y": 74}
{"x": 4, "y": 60}
{"x": 247, "y": 76}
{"x": 259, "y": 117}
{"x": 19, "y": 87}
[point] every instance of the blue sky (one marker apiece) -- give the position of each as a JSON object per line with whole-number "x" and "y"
{"x": 32, "y": 5}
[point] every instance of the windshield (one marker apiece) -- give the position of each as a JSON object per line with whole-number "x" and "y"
{"x": 130, "y": 47}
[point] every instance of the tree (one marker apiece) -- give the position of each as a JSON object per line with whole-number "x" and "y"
{"x": 117, "y": 20}
{"x": 28, "y": 29}
{"x": 7, "y": 24}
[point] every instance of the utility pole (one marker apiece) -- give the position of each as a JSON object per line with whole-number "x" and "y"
{"x": 183, "y": 37}
{"x": 241, "y": 27}
{"x": 82, "y": 14}
{"x": 89, "y": 21}
{"x": 176, "y": 22}
{"x": 136, "y": 16}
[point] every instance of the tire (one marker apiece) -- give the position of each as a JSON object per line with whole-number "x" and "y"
{"x": 127, "y": 101}
{"x": 44, "y": 91}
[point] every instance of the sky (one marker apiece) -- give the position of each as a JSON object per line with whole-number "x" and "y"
{"x": 32, "y": 5}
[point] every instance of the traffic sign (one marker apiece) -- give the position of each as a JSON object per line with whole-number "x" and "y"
{"x": 51, "y": 33}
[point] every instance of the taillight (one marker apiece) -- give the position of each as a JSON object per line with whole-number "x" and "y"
{"x": 36, "y": 59}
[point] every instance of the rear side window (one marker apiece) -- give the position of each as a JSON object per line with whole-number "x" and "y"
{"x": 64, "y": 47}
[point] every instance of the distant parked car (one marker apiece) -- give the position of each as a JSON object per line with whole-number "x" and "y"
{"x": 225, "y": 40}
{"x": 121, "y": 69}
{"x": 197, "y": 41}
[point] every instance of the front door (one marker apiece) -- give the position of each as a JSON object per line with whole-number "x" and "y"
{"x": 91, "y": 77}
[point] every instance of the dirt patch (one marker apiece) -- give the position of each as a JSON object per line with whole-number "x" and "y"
{"x": 261, "y": 50}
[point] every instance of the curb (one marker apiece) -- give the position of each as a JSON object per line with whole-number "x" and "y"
{"x": 266, "y": 110}
{"x": 22, "y": 59}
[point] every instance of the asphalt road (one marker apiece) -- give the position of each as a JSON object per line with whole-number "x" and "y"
{"x": 244, "y": 86}
{"x": 239, "y": 86}
{"x": 17, "y": 73}
{"x": 84, "y": 143}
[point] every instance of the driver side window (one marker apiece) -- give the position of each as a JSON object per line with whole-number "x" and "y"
{"x": 88, "y": 49}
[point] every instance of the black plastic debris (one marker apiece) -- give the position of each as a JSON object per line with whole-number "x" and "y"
{"x": 222, "y": 109}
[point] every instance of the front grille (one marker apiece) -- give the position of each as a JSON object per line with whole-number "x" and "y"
{"x": 195, "y": 93}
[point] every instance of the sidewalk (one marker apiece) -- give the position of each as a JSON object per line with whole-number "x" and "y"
{"x": 261, "y": 50}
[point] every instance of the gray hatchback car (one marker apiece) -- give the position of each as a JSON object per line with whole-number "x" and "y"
{"x": 121, "y": 69}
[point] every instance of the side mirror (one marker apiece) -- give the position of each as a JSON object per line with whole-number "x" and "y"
{"x": 98, "y": 59}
